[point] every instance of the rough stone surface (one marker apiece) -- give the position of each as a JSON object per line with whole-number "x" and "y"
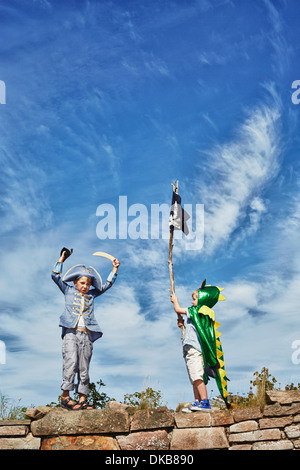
{"x": 15, "y": 422}
{"x": 18, "y": 443}
{"x": 296, "y": 443}
{"x": 202, "y": 438}
{"x": 273, "y": 410}
{"x": 38, "y": 412}
{"x": 88, "y": 442}
{"x": 59, "y": 421}
{"x": 297, "y": 418}
{"x": 241, "y": 447}
{"x": 152, "y": 419}
{"x": 115, "y": 405}
{"x": 13, "y": 430}
{"x": 275, "y": 422}
{"x": 283, "y": 396}
{"x": 275, "y": 445}
{"x": 281, "y": 410}
{"x": 221, "y": 418}
{"x": 192, "y": 420}
{"x": 244, "y": 426}
{"x": 293, "y": 431}
{"x": 151, "y": 440}
{"x": 260, "y": 435}
{"x": 246, "y": 414}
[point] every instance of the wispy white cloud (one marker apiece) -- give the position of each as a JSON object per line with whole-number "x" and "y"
{"x": 212, "y": 57}
{"x": 24, "y": 204}
{"x": 237, "y": 174}
{"x": 259, "y": 322}
{"x": 156, "y": 66}
{"x": 282, "y": 49}
{"x": 260, "y": 317}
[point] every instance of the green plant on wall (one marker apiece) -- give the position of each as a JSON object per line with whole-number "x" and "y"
{"x": 148, "y": 398}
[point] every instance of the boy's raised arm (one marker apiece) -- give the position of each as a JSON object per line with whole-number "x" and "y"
{"x": 57, "y": 270}
{"x": 176, "y": 305}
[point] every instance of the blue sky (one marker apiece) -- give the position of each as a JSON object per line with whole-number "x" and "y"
{"x": 119, "y": 98}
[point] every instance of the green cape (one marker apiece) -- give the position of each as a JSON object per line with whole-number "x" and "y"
{"x": 203, "y": 318}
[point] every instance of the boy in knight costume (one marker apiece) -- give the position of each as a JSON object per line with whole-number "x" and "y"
{"x": 202, "y": 348}
{"x": 79, "y": 326}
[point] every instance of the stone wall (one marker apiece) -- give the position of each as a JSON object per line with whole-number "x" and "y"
{"x": 277, "y": 427}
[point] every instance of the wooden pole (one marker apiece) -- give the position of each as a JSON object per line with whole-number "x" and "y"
{"x": 172, "y": 283}
{"x": 171, "y": 263}
{"x": 175, "y": 190}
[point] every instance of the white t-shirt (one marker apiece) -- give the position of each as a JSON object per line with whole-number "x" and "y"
{"x": 81, "y": 323}
{"x": 190, "y": 337}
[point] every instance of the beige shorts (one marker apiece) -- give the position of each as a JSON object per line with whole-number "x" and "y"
{"x": 194, "y": 363}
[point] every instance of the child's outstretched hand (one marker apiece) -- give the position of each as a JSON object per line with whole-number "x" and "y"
{"x": 173, "y": 298}
{"x": 64, "y": 254}
{"x": 116, "y": 264}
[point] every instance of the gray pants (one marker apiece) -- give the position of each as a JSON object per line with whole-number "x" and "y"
{"x": 77, "y": 351}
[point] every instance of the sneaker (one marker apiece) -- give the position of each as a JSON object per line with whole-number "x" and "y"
{"x": 188, "y": 409}
{"x": 202, "y": 406}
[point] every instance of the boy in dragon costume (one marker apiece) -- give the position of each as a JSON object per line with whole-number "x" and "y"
{"x": 202, "y": 348}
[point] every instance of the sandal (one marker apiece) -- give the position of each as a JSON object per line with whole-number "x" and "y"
{"x": 85, "y": 406}
{"x": 65, "y": 404}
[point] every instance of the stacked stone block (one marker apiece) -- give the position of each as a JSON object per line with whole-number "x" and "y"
{"x": 276, "y": 427}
